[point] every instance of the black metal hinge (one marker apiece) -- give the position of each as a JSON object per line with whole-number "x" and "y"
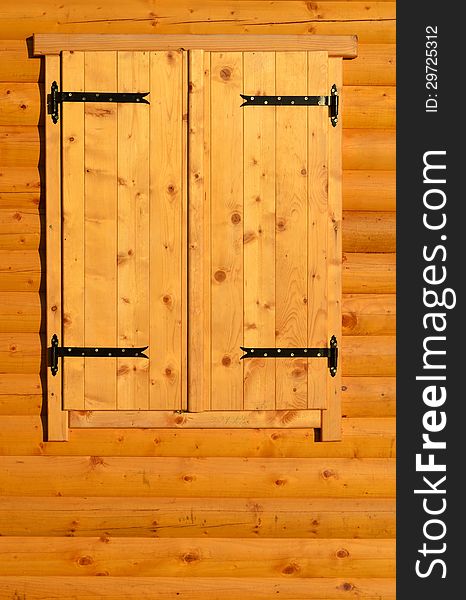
{"x": 331, "y": 353}
{"x": 55, "y": 98}
{"x": 57, "y": 351}
{"x": 330, "y": 101}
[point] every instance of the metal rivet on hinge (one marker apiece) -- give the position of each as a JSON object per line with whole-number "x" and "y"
{"x": 305, "y": 349}
{"x": 265, "y": 353}
{"x": 136, "y": 354}
{"x": 252, "y": 349}
{"x": 123, "y": 350}
{"x": 83, "y": 354}
{"x": 319, "y": 354}
{"x": 292, "y": 102}
{"x": 306, "y": 98}
{"x": 265, "y": 102}
{"x": 96, "y": 349}
{"x": 69, "y": 349}
{"x": 252, "y": 97}
{"x": 279, "y": 350}
{"x": 70, "y": 93}
{"x": 292, "y": 354}
{"x": 279, "y": 98}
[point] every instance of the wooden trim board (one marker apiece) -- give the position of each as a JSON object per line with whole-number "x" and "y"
{"x": 345, "y": 46}
{"x": 255, "y": 419}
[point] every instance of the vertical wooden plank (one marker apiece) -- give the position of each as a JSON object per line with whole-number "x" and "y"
{"x": 166, "y": 197}
{"x": 291, "y": 226}
{"x": 72, "y": 118}
{"x": 57, "y": 419}
{"x": 199, "y": 392}
{"x": 331, "y": 418}
{"x": 184, "y": 229}
{"x": 259, "y": 230}
{"x": 317, "y": 219}
{"x": 100, "y": 215}
{"x": 133, "y": 231}
{"x": 227, "y": 229}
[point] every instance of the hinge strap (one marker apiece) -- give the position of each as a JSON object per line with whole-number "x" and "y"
{"x": 331, "y": 353}
{"x": 55, "y": 98}
{"x": 58, "y": 351}
{"x": 330, "y": 101}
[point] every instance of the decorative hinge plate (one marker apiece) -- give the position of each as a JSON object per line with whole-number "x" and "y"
{"x": 331, "y": 101}
{"x": 55, "y": 98}
{"x": 331, "y": 353}
{"x": 57, "y": 351}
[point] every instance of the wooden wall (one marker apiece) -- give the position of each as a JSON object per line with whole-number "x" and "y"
{"x": 249, "y": 514}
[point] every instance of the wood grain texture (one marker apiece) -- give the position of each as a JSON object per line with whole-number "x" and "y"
{"x": 369, "y": 231}
{"x": 369, "y": 190}
{"x": 369, "y": 273}
{"x": 374, "y": 65}
{"x": 229, "y": 588}
{"x": 369, "y": 314}
{"x": 369, "y": 106}
{"x": 73, "y": 143}
{"x": 193, "y": 557}
{"x": 259, "y": 231}
{"x": 382, "y": 143}
{"x": 20, "y": 229}
{"x": 20, "y": 102}
{"x": 361, "y": 436}
{"x": 252, "y": 517}
{"x": 193, "y": 477}
{"x": 57, "y": 420}
{"x": 21, "y": 179}
{"x": 345, "y": 46}
{"x": 16, "y": 64}
{"x": 369, "y": 396}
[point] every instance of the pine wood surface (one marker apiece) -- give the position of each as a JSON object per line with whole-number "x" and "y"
{"x": 368, "y": 398}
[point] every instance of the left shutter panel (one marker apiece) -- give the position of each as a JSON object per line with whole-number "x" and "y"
{"x": 123, "y": 198}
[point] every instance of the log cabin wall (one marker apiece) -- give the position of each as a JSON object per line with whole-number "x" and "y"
{"x": 202, "y": 514}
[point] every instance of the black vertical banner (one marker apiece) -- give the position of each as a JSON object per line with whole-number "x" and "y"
{"x": 431, "y": 251}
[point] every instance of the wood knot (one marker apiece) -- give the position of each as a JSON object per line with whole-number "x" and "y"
{"x": 220, "y": 276}
{"x": 167, "y": 299}
{"x": 235, "y": 218}
{"x": 303, "y": 171}
{"x": 349, "y": 320}
{"x": 344, "y": 388}
{"x": 17, "y": 216}
{"x": 281, "y": 224}
{"x": 280, "y": 482}
{"x": 171, "y": 188}
{"x": 190, "y": 557}
{"x": 346, "y": 587}
{"x": 188, "y": 478}
{"x": 54, "y": 308}
{"x": 190, "y": 87}
{"x": 275, "y": 436}
{"x": 168, "y": 372}
{"x": 226, "y": 361}
{"x": 258, "y": 199}
{"x": 123, "y": 370}
{"x": 85, "y": 560}
{"x": 225, "y": 73}
{"x": 71, "y": 139}
{"x": 328, "y": 474}
{"x": 95, "y": 461}
{"x": 249, "y": 236}
{"x": 291, "y": 569}
{"x": 342, "y": 553}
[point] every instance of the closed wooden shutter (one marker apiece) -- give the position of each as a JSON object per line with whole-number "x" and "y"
{"x": 124, "y": 214}
{"x": 264, "y": 240}
{"x": 194, "y": 226}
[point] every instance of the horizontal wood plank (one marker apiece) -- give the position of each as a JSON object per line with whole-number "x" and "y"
{"x": 362, "y": 437}
{"x": 195, "y": 477}
{"x": 372, "y": 518}
{"x": 369, "y": 273}
{"x": 16, "y": 64}
{"x": 369, "y": 396}
{"x": 369, "y": 190}
{"x": 26, "y": 201}
{"x": 369, "y": 231}
{"x": 369, "y": 355}
{"x": 200, "y": 588}
{"x": 20, "y": 270}
{"x": 21, "y": 312}
{"x": 20, "y": 103}
{"x": 356, "y": 145}
{"x": 343, "y": 46}
{"x": 196, "y": 557}
{"x": 20, "y": 230}
{"x": 21, "y": 179}
{"x": 369, "y": 106}
{"x": 369, "y": 314}
{"x": 375, "y": 65}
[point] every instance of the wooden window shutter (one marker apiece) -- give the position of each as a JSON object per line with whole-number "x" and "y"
{"x": 193, "y": 226}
